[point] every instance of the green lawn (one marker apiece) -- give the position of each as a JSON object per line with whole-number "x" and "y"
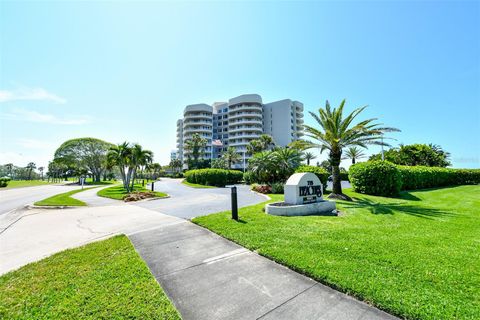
{"x": 25, "y": 183}
{"x": 195, "y": 185}
{"x": 63, "y": 199}
{"x": 102, "y": 280}
{"x": 118, "y": 192}
{"x": 417, "y": 257}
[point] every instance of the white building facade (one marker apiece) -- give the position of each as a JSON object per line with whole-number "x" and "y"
{"x": 237, "y": 122}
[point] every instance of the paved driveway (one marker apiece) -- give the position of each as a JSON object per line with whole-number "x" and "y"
{"x": 187, "y": 202}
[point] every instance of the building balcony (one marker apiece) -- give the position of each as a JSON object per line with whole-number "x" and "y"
{"x": 242, "y": 114}
{"x": 189, "y": 116}
{"x": 244, "y": 135}
{"x": 197, "y": 121}
{"x": 244, "y": 128}
{"x": 246, "y": 121}
{"x": 245, "y": 107}
{"x": 194, "y": 130}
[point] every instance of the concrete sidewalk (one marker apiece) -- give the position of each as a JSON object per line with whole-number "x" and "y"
{"x": 30, "y": 235}
{"x": 209, "y": 277}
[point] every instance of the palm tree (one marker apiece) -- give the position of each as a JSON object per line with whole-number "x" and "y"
{"x": 195, "y": 147}
{"x": 9, "y": 167}
{"x": 231, "y": 156}
{"x": 309, "y": 156}
{"x": 254, "y": 146}
{"x": 139, "y": 158}
{"x": 262, "y": 166}
{"x": 262, "y": 143}
{"x": 156, "y": 169}
{"x": 121, "y": 156}
{"x": 41, "y": 171}
{"x": 176, "y": 164}
{"x": 30, "y": 167}
{"x": 354, "y": 153}
{"x": 336, "y": 132}
{"x": 286, "y": 161}
{"x": 266, "y": 141}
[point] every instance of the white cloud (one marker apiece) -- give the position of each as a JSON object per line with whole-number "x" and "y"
{"x": 25, "y": 93}
{"x": 34, "y": 116}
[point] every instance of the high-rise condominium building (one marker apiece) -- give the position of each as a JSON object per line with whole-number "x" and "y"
{"x": 237, "y": 122}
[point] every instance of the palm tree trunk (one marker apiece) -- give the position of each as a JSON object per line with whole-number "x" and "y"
{"x": 134, "y": 176}
{"x": 337, "y": 193}
{"x": 308, "y": 162}
{"x": 353, "y": 160}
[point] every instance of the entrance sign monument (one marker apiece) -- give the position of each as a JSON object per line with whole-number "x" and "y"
{"x": 303, "y": 196}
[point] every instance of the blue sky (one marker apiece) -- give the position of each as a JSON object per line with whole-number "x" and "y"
{"x": 125, "y": 71}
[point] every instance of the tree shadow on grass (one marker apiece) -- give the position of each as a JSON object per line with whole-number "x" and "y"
{"x": 408, "y": 196}
{"x": 399, "y": 207}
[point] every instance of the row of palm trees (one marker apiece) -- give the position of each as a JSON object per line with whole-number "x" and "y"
{"x": 129, "y": 159}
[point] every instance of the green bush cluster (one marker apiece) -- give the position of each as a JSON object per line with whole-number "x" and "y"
{"x": 213, "y": 177}
{"x": 387, "y": 179}
{"x": 320, "y": 172}
{"x": 380, "y": 178}
{"x": 420, "y": 177}
{"x": 4, "y": 181}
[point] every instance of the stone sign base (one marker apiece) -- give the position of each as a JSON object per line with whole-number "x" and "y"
{"x": 323, "y": 208}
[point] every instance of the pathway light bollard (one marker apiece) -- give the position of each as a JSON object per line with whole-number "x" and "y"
{"x": 153, "y": 183}
{"x": 234, "y": 204}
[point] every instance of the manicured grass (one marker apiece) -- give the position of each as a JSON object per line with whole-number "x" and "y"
{"x": 25, "y": 183}
{"x": 102, "y": 280}
{"x": 417, "y": 257}
{"x": 63, "y": 199}
{"x": 195, "y": 185}
{"x": 118, "y": 192}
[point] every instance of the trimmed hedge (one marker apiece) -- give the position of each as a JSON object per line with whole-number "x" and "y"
{"x": 213, "y": 177}
{"x": 386, "y": 179}
{"x": 321, "y": 173}
{"x": 380, "y": 178}
{"x": 420, "y": 177}
{"x": 4, "y": 181}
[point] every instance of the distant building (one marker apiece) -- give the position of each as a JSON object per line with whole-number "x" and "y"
{"x": 237, "y": 122}
{"x": 173, "y": 154}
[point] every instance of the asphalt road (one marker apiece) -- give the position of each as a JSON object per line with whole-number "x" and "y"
{"x": 12, "y": 199}
{"x": 187, "y": 202}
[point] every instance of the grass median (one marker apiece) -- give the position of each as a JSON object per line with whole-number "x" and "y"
{"x": 102, "y": 280}
{"x": 13, "y": 184}
{"x": 416, "y": 256}
{"x": 118, "y": 192}
{"x": 63, "y": 199}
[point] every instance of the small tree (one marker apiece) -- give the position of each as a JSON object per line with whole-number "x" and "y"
{"x": 354, "y": 153}
{"x": 231, "y": 156}
{"x": 219, "y": 163}
{"x": 195, "y": 146}
{"x": 30, "y": 167}
{"x": 41, "y": 171}
{"x": 309, "y": 156}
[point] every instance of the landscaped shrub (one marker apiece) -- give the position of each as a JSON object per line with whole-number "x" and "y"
{"x": 320, "y": 172}
{"x": 262, "y": 188}
{"x": 213, "y": 177}
{"x": 376, "y": 177}
{"x": 278, "y": 187}
{"x": 4, "y": 181}
{"x": 420, "y": 177}
{"x": 344, "y": 176}
{"x": 248, "y": 177}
